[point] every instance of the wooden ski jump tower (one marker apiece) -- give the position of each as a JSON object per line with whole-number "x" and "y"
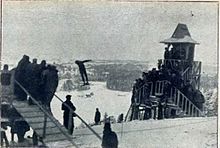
{"x": 183, "y": 44}
{"x": 178, "y": 57}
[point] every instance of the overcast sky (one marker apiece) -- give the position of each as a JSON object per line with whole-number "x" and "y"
{"x": 125, "y": 31}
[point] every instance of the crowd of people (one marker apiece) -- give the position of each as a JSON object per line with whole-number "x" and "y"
{"x": 40, "y": 80}
{"x": 170, "y": 72}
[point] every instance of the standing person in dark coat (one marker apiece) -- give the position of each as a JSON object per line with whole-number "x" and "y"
{"x": 42, "y": 67}
{"x": 68, "y": 114}
{"x": 50, "y": 83}
{"x": 97, "y": 116}
{"x": 109, "y": 139}
{"x": 33, "y": 80}
{"x": 20, "y": 73}
{"x": 5, "y": 82}
{"x": 166, "y": 53}
{"x": 82, "y": 70}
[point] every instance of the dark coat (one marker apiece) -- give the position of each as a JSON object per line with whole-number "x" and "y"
{"x": 97, "y": 116}
{"x": 19, "y": 75}
{"x": 5, "y": 77}
{"x": 49, "y": 84}
{"x": 66, "y": 115}
{"x": 109, "y": 139}
{"x": 33, "y": 79}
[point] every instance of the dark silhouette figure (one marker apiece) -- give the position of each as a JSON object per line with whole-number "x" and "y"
{"x": 160, "y": 111}
{"x": 5, "y": 76}
{"x": 97, "y": 116}
{"x": 82, "y": 70}
{"x": 120, "y": 118}
{"x": 18, "y": 126}
{"x": 33, "y": 80}
{"x": 109, "y": 139}
{"x": 5, "y": 82}
{"x": 3, "y": 136}
{"x": 68, "y": 114}
{"x": 20, "y": 73}
{"x": 49, "y": 83}
{"x": 42, "y": 67}
{"x": 166, "y": 53}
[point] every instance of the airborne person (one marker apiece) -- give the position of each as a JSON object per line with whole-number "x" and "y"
{"x": 82, "y": 70}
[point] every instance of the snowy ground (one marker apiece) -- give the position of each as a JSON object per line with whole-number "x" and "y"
{"x": 169, "y": 133}
{"x": 112, "y": 102}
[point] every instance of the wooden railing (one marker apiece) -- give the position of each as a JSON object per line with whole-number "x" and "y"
{"x": 179, "y": 99}
{"x": 83, "y": 121}
{"x": 176, "y": 97}
{"x": 47, "y": 115}
{"x": 184, "y": 103}
{"x": 175, "y": 63}
{"x": 186, "y": 75}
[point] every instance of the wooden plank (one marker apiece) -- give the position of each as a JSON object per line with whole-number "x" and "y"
{"x": 55, "y": 137}
{"x": 34, "y": 119}
{"x": 32, "y": 114}
{"x": 28, "y": 109}
{"x": 50, "y": 130}
{"x": 40, "y": 125}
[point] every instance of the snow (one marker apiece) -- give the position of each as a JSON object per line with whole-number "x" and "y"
{"x": 194, "y": 132}
{"x": 182, "y": 132}
{"x": 170, "y": 133}
{"x": 112, "y": 102}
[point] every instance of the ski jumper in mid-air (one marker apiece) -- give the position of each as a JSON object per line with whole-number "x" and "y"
{"x": 82, "y": 71}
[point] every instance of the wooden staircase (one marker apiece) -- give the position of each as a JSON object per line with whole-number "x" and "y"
{"x": 43, "y": 122}
{"x": 179, "y": 100}
{"x": 176, "y": 99}
{"x": 35, "y": 117}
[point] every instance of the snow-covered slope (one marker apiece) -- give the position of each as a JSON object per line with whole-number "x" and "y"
{"x": 170, "y": 133}
{"x": 98, "y": 96}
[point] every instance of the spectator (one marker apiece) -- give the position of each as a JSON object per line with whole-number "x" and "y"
{"x": 68, "y": 114}
{"x": 109, "y": 139}
{"x": 97, "y": 117}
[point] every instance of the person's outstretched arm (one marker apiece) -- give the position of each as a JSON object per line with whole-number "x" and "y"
{"x": 86, "y": 61}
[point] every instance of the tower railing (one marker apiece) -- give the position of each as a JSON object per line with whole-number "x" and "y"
{"x": 186, "y": 75}
{"x": 176, "y": 64}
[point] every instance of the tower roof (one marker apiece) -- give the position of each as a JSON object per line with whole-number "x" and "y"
{"x": 180, "y": 35}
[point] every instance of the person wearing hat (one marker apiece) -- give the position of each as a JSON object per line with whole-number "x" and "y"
{"x": 109, "y": 139}
{"x": 68, "y": 114}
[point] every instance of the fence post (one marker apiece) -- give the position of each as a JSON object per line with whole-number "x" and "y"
{"x": 183, "y": 100}
{"x": 185, "y": 105}
{"x": 178, "y": 98}
{"x": 189, "y": 110}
